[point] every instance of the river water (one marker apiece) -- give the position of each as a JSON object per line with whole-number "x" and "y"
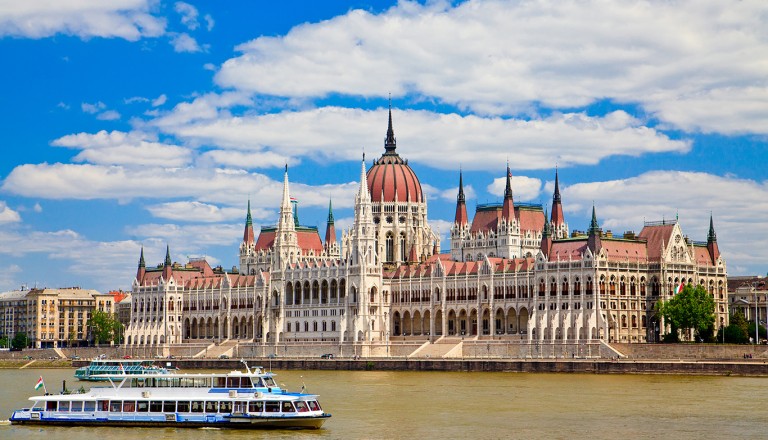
{"x": 427, "y": 405}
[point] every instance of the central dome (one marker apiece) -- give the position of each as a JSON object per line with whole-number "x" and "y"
{"x": 390, "y": 177}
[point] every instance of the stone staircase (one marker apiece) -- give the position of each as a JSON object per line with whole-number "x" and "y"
{"x": 213, "y": 351}
{"x": 440, "y": 349}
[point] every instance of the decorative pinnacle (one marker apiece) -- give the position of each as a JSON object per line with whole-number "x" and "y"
{"x": 390, "y": 144}
{"x": 168, "y": 255}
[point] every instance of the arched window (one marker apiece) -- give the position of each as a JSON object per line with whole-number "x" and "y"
{"x": 390, "y": 251}
{"x": 402, "y": 246}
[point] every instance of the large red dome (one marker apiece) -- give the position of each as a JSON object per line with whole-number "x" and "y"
{"x": 390, "y": 175}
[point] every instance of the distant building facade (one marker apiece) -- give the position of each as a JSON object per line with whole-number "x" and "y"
{"x": 513, "y": 271}
{"x": 52, "y": 317}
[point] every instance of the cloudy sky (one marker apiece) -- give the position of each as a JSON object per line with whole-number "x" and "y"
{"x": 135, "y": 123}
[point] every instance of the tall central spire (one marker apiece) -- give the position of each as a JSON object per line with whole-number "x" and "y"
{"x": 508, "y": 208}
{"x": 390, "y": 143}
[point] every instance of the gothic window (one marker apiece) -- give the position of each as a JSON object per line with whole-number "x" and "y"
{"x": 390, "y": 251}
{"x": 402, "y": 246}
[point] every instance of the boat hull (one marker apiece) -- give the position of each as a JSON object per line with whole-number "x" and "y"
{"x": 232, "y": 422}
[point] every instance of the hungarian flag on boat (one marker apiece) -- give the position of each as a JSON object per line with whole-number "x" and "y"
{"x": 39, "y": 383}
{"x": 679, "y": 289}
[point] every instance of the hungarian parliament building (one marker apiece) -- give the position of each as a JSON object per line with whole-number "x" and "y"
{"x": 514, "y": 272}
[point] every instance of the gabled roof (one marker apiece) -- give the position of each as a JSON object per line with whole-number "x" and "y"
{"x": 656, "y": 236}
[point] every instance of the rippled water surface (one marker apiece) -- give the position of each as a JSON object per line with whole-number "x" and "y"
{"x": 376, "y": 404}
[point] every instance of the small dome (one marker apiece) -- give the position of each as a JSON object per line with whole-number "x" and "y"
{"x": 390, "y": 175}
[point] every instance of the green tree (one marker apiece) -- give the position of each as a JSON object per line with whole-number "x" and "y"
{"x": 102, "y": 326}
{"x": 691, "y": 309}
{"x": 5, "y": 342}
{"x": 737, "y": 331}
{"x": 19, "y": 340}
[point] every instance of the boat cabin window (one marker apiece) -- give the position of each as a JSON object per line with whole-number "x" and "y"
{"x": 302, "y": 406}
{"x": 63, "y": 405}
{"x": 169, "y": 406}
{"x": 270, "y": 382}
{"x": 115, "y": 405}
{"x": 211, "y": 407}
{"x": 50, "y": 405}
{"x": 220, "y": 382}
{"x": 76, "y": 407}
{"x": 314, "y": 406}
{"x": 225, "y": 407}
{"x": 197, "y": 407}
{"x": 142, "y": 406}
{"x": 129, "y": 406}
{"x": 258, "y": 382}
{"x": 272, "y": 406}
{"x": 255, "y": 406}
{"x": 288, "y": 407}
{"x": 89, "y": 405}
{"x": 103, "y": 405}
{"x": 182, "y": 406}
{"x": 155, "y": 406}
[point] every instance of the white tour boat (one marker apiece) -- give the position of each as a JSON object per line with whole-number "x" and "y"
{"x": 239, "y": 399}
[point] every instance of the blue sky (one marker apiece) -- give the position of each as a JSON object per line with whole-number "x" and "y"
{"x": 143, "y": 123}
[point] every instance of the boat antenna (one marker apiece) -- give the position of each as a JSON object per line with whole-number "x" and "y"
{"x": 246, "y": 366}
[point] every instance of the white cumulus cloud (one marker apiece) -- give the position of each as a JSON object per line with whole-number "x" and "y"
{"x": 127, "y": 19}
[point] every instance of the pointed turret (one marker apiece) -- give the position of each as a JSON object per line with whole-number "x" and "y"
{"x": 286, "y": 242}
{"x": 330, "y": 229}
{"x": 508, "y": 209}
{"x": 714, "y": 250}
{"x": 557, "y": 220}
{"x": 546, "y": 237}
{"x": 390, "y": 143}
{"x": 248, "y": 232}
{"x": 142, "y": 267}
{"x": 594, "y": 241}
{"x": 461, "y": 206}
{"x": 167, "y": 265}
{"x": 362, "y": 233}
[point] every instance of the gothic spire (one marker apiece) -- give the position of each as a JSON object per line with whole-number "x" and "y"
{"x": 508, "y": 189}
{"x": 141, "y": 258}
{"x": 711, "y": 237}
{"x": 390, "y": 143}
{"x": 556, "y": 198}
{"x": 167, "y": 255}
{"x": 508, "y": 208}
{"x": 248, "y": 231}
{"x": 594, "y": 228}
{"x": 330, "y": 229}
{"x": 461, "y": 207}
{"x": 547, "y": 232}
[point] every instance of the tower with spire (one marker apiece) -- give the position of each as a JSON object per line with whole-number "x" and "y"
{"x": 714, "y": 250}
{"x": 142, "y": 267}
{"x": 248, "y": 246}
{"x": 330, "y": 245}
{"x": 399, "y": 207}
{"x": 286, "y": 248}
{"x": 559, "y": 228}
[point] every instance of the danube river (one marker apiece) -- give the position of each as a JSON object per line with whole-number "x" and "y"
{"x": 426, "y": 405}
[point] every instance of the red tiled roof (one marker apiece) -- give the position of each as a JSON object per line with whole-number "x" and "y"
{"x": 702, "y": 256}
{"x": 568, "y": 249}
{"x": 390, "y": 176}
{"x": 656, "y": 236}
{"x": 486, "y": 219}
{"x": 308, "y": 239}
{"x": 530, "y": 220}
{"x": 625, "y": 250}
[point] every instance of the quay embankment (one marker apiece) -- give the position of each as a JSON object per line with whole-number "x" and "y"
{"x": 682, "y": 359}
